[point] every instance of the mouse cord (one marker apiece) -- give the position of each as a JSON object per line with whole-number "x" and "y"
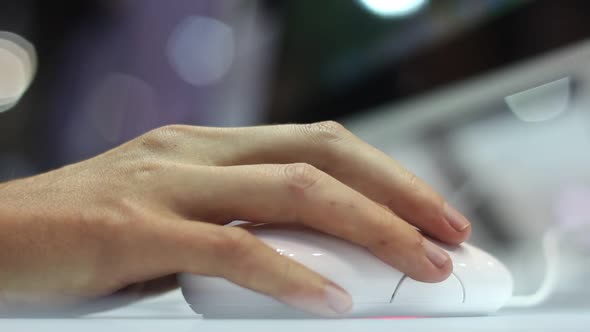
{"x": 551, "y": 252}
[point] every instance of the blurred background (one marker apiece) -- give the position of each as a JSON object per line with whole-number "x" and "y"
{"x": 485, "y": 99}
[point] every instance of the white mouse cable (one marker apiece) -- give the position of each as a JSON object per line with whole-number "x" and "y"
{"x": 551, "y": 252}
{"x": 551, "y": 240}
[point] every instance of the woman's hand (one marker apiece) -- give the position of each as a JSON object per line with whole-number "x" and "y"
{"x": 155, "y": 206}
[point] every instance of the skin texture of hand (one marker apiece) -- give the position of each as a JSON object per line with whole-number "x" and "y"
{"x": 133, "y": 217}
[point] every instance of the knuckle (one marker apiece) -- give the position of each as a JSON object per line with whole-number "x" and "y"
{"x": 148, "y": 168}
{"x": 301, "y": 176}
{"x": 385, "y": 221}
{"x": 164, "y": 138}
{"x": 407, "y": 259}
{"x": 414, "y": 185}
{"x": 425, "y": 203}
{"x": 123, "y": 216}
{"x": 415, "y": 241}
{"x": 326, "y": 131}
{"x": 412, "y": 240}
{"x": 148, "y": 172}
{"x": 406, "y": 249}
{"x": 288, "y": 273}
{"x": 233, "y": 243}
{"x": 287, "y": 270}
{"x": 413, "y": 180}
{"x": 393, "y": 233}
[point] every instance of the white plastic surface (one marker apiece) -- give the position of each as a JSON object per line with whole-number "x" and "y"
{"x": 448, "y": 292}
{"x": 479, "y": 285}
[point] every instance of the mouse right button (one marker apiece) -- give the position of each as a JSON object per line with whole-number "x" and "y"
{"x": 446, "y": 292}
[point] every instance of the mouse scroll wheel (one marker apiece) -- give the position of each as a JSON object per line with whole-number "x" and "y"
{"x": 410, "y": 291}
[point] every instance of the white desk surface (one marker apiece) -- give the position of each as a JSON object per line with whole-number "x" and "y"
{"x": 169, "y": 313}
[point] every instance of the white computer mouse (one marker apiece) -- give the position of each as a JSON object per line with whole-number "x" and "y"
{"x": 479, "y": 284}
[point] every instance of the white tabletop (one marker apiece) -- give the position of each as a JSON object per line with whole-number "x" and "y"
{"x": 170, "y": 313}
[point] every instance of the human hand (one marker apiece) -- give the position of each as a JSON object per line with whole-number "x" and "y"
{"x": 155, "y": 206}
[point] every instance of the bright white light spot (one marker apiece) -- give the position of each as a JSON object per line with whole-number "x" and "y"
{"x": 541, "y": 103}
{"x": 13, "y": 78}
{"x": 17, "y": 67}
{"x": 201, "y": 50}
{"x": 316, "y": 254}
{"x": 393, "y": 8}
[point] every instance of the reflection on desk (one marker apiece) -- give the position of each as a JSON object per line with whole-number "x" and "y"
{"x": 170, "y": 313}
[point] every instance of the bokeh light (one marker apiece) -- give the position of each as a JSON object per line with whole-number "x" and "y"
{"x": 541, "y": 103}
{"x": 120, "y": 106}
{"x": 393, "y": 8}
{"x": 201, "y": 50}
{"x": 17, "y": 65}
{"x": 121, "y": 101}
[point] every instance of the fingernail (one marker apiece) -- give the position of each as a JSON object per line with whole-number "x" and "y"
{"x": 435, "y": 254}
{"x": 338, "y": 300}
{"x": 455, "y": 218}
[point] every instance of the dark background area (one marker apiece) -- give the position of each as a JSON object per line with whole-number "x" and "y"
{"x": 334, "y": 59}
{"x": 501, "y": 35}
